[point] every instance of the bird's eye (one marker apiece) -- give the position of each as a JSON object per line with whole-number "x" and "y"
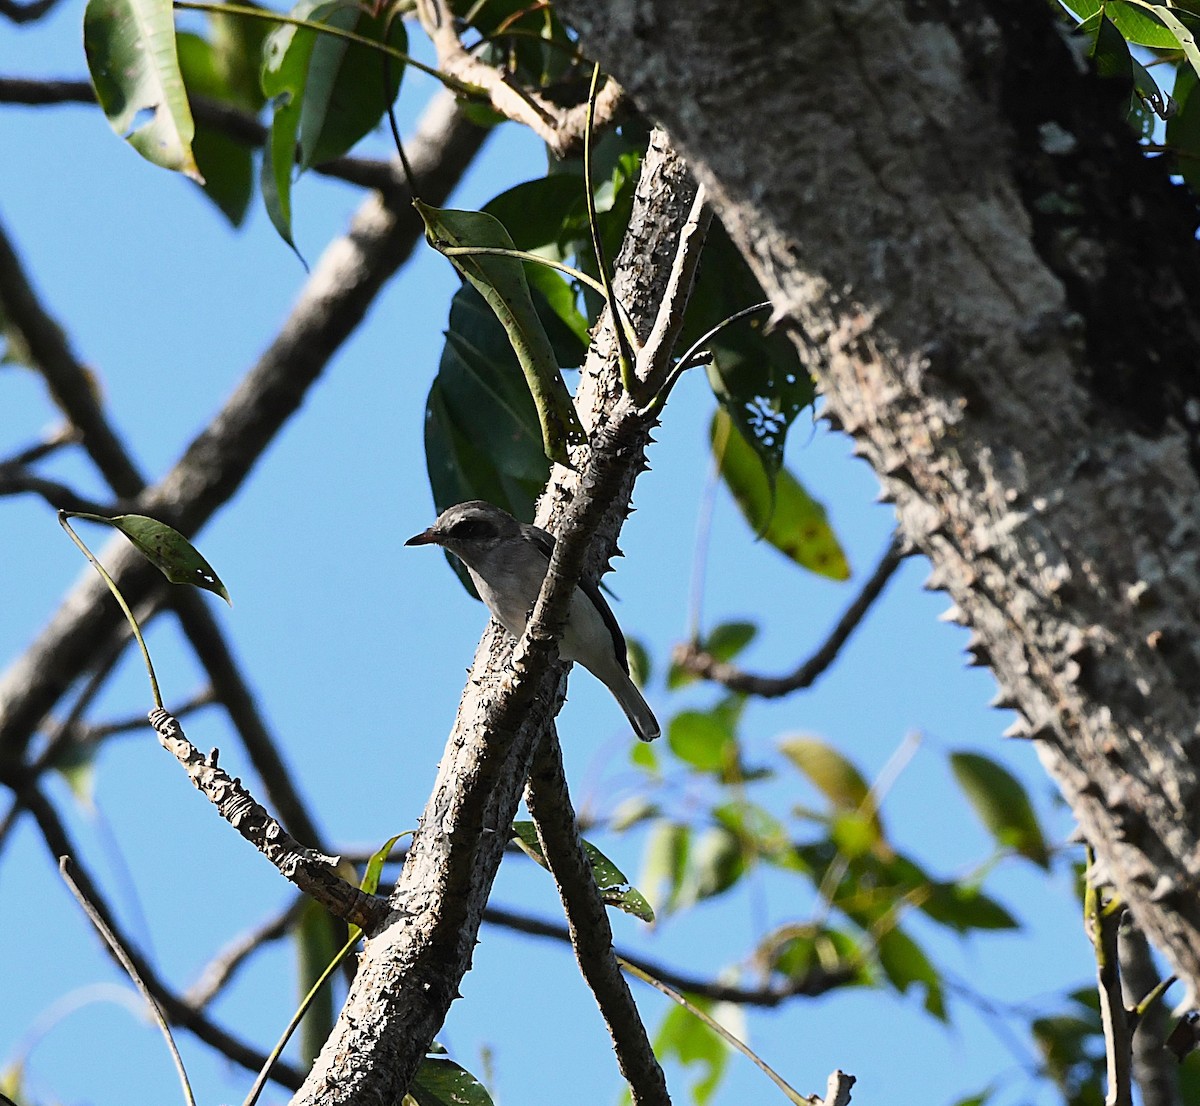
{"x": 472, "y": 529}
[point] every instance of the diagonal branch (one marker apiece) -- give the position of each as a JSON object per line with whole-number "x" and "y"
{"x": 311, "y": 871}
{"x": 562, "y": 129}
{"x": 697, "y": 661}
{"x": 591, "y": 935}
{"x": 411, "y": 969}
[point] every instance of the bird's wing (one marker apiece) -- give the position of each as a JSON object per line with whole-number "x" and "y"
{"x": 545, "y": 542}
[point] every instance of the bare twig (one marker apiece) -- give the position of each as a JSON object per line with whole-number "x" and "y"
{"x": 58, "y": 843}
{"x": 816, "y": 981}
{"x": 837, "y": 1089}
{"x": 654, "y": 361}
{"x": 240, "y": 125}
{"x": 695, "y": 660}
{"x": 57, "y": 439}
{"x": 311, "y": 871}
{"x": 1154, "y": 1068}
{"x": 1102, "y": 918}
{"x": 125, "y": 959}
{"x": 221, "y": 969}
{"x": 26, "y": 13}
{"x": 560, "y": 128}
{"x": 19, "y": 481}
{"x": 549, "y": 805}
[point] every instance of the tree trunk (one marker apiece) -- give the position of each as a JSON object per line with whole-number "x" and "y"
{"x": 998, "y": 294}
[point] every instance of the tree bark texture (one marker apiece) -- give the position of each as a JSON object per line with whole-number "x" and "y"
{"x": 410, "y": 970}
{"x": 998, "y": 294}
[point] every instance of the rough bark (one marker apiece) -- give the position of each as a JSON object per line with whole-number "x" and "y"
{"x": 410, "y": 970}
{"x": 998, "y": 295}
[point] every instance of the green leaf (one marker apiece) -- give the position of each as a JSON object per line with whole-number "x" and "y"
{"x": 614, "y": 888}
{"x": 227, "y": 165}
{"x": 238, "y": 45}
{"x": 168, "y": 550}
{"x": 317, "y": 943}
{"x": 703, "y": 739}
{"x": 344, "y": 95}
{"x": 757, "y": 377}
{"x": 796, "y": 951}
{"x": 439, "y": 1081}
{"x": 685, "y": 1038}
{"x": 546, "y": 211}
{"x": 724, "y": 643}
{"x": 501, "y": 281}
{"x": 526, "y": 41}
{"x": 77, "y": 765}
{"x": 829, "y": 772}
{"x": 718, "y": 861}
{"x": 640, "y": 666}
{"x": 1002, "y": 804}
{"x": 905, "y": 963}
{"x": 485, "y": 390}
{"x": 786, "y": 516}
{"x": 286, "y": 55}
{"x": 963, "y": 907}
{"x": 664, "y": 864}
{"x": 1108, "y": 48}
{"x": 134, "y": 67}
{"x": 1183, "y": 128}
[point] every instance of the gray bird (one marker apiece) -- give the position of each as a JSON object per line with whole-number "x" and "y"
{"x": 507, "y": 561}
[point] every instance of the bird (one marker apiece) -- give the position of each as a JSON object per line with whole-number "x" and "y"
{"x": 507, "y": 561}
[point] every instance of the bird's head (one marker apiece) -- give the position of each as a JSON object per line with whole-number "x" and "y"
{"x": 469, "y": 530}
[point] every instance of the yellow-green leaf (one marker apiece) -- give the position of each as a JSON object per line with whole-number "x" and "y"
{"x": 785, "y": 515}
{"x": 130, "y": 46}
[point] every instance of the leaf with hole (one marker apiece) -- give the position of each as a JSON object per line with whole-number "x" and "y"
{"x": 167, "y": 549}
{"x": 132, "y": 60}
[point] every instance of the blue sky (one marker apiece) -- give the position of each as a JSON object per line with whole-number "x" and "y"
{"x": 356, "y": 648}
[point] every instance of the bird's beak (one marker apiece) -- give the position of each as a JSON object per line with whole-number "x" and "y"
{"x": 425, "y": 537}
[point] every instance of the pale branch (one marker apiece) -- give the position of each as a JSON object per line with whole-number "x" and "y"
{"x": 58, "y": 842}
{"x": 561, "y": 128}
{"x": 1102, "y": 917}
{"x": 549, "y": 804}
{"x": 233, "y": 122}
{"x": 221, "y": 969}
{"x": 837, "y": 1089}
{"x": 310, "y": 870}
{"x": 694, "y": 659}
{"x": 333, "y": 301}
{"x": 410, "y": 971}
{"x": 816, "y": 981}
{"x": 654, "y": 361}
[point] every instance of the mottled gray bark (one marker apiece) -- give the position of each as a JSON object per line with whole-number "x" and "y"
{"x": 999, "y": 297}
{"x": 409, "y": 972}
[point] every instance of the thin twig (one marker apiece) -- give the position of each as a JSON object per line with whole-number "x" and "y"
{"x": 234, "y": 122}
{"x": 695, "y": 660}
{"x": 26, "y": 13}
{"x": 220, "y": 970}
{"x": 19, "y": 481}
{"x": 816, "y": 981}
{"x": 549, "y": 804}
{"x": 562, "y": 129}
{"x": 58, "y": 842}
{"x": 124, "y": 958}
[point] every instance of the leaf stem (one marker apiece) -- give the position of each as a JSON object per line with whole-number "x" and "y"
{"x": 63, "y": 516}
{"x": 532, "y": 258}
{"x": 461, "y": 87}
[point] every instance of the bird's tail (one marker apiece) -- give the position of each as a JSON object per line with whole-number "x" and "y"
{"x": 636, "y": 709}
